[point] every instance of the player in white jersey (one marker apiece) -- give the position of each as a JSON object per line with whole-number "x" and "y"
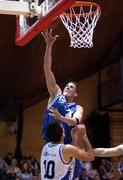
{"x": 54, "y": 165}
{"x": 57, "y": 159}
{"x": 109, "y": 152}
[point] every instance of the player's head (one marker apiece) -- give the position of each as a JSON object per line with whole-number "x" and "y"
{"x": 54, "y": 132}
{"x": 71, "y": 90}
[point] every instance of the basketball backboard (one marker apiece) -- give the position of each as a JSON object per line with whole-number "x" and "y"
{"x": 45, "y": 13}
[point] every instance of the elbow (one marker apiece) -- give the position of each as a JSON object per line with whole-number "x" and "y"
{"x": 90, "y": 157}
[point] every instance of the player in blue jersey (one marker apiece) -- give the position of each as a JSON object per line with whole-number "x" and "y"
{"x": 61, "y": 105}
{"x": 57, "y": 159}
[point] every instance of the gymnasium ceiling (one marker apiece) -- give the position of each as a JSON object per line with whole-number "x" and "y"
{"x": 21, "y": 68}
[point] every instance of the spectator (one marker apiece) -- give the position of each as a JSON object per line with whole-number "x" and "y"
{"x": 84, "y": 175}
{"x": 35, "y": 166}
{"x": 92, "y": 172}
{"x": 106, "y": 170}
{"x": 13, "y": 170}
{"x": 8, "y": 158}
{"x": 26, "y": 173}
{"x": 120, "y": 167}
{"x": 3, "y": 169}
{"x": 87, "y": 165}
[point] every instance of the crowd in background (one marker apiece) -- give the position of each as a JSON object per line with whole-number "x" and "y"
{"x": 104, "y": 171}
{"x": 29, "y": 169}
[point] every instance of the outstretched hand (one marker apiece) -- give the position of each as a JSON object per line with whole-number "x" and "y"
{"x": 49, "y": 38}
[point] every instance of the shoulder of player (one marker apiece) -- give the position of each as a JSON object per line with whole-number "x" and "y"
{"x": 54, "y": 97}
{"x": 55, "y": 92}
{"x": 79, "y": 108}
{"x": 69, "y": 150}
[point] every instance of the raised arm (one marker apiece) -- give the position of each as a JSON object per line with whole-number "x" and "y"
{"x": 109, "y": 152}
{"x": 52, "y": 86}
{"x": 73, "y": 151}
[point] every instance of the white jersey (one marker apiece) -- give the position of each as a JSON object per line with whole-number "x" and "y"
{"x": 53, "y": 166}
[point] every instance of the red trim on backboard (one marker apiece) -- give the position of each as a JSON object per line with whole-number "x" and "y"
{"x": 42, "y": 24}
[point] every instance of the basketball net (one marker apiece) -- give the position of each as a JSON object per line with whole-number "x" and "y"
{"x": 80, "y": 21}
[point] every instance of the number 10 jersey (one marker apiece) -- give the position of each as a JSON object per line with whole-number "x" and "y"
{"x": 53, "y": 165}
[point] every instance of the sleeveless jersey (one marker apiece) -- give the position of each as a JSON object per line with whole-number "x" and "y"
{"x": 53, "y": 166}
{"x": 59, "y": 103}
{"x": 65, "y": 109}
{"x": 70, "y": 109}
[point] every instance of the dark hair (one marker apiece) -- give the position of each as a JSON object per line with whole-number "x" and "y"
{"x": 54, "y": 132}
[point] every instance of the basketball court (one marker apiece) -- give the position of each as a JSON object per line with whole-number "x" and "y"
{"x": 90, "y": 39}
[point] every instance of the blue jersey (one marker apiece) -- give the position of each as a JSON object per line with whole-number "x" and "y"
{"x": 70, "y": 109}
{"x": 65, "y": 109}
{"x": 59, "y": 103}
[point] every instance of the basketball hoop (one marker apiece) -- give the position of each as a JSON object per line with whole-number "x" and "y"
{"x": 80, "y": 21}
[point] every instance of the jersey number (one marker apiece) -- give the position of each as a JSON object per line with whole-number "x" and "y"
{"x": 49, "y": 169}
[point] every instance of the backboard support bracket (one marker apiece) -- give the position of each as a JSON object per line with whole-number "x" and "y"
{"x": 15, "y": 8}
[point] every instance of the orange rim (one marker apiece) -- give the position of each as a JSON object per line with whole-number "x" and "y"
{"x": 84, "y": 4}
